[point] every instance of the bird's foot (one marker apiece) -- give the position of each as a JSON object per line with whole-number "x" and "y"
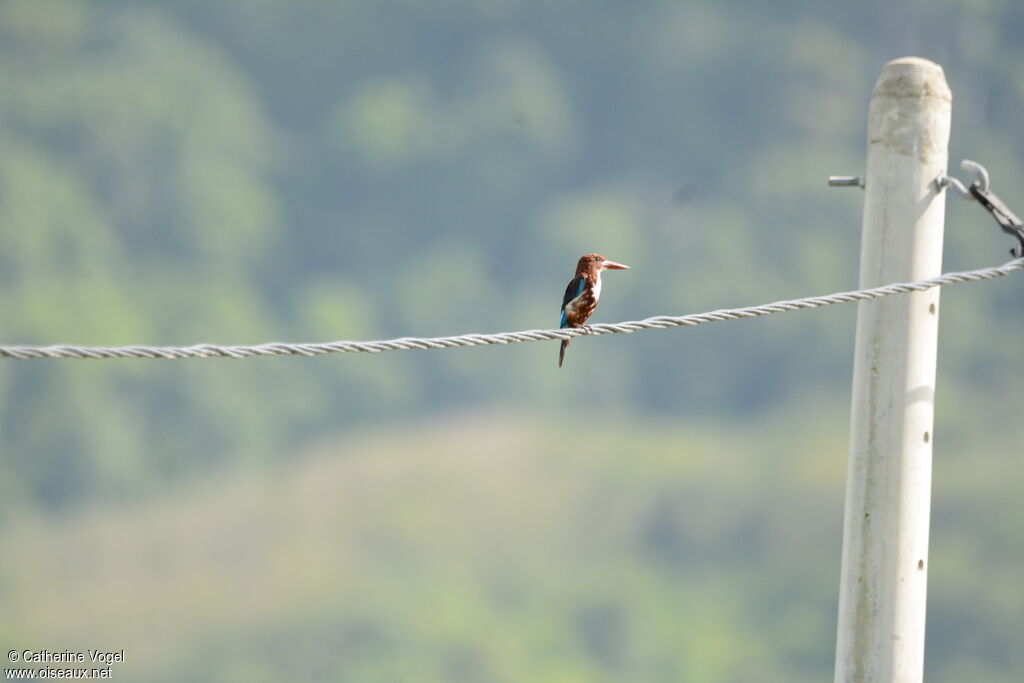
{"x": 587, "y": 328}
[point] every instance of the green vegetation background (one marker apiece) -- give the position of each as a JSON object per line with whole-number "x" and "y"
{"x": 666, "y": 507}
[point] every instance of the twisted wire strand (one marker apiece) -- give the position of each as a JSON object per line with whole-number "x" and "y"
{"x": 464, "y": 340}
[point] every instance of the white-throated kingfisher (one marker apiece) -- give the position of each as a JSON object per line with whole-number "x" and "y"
{"x": 583, "y": 293}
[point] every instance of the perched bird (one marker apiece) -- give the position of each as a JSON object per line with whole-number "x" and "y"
{"x": 582, "y": 294}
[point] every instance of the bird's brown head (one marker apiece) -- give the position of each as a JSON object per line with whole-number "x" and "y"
{"x": 596, "y": 263}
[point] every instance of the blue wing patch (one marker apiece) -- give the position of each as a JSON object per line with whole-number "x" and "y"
{"x": 574, "y": 289}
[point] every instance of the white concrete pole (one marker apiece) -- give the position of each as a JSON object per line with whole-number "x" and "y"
{"x": 884, "y": 572}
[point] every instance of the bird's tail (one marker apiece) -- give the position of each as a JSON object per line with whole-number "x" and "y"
{"x": 561, "y": 352}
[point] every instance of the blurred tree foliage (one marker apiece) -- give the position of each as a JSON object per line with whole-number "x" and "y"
{"x": 195, "y": 172}
{"x": 174, "y": 173}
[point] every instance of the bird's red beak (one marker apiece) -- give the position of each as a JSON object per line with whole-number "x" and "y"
{"x": 613, "y": 265}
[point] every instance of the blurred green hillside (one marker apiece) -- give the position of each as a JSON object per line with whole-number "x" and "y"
{"x": 666, "y": 506}
{"x": 489, "y": 548}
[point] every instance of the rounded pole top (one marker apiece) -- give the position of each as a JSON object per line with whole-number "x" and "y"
{"x": 910, "y": 113}
{"x": 912, "y": 77}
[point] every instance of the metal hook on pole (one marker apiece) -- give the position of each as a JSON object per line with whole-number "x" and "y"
{"x": 979, "y": 191}
{"x": 975, "y": 167}
{"x": 946, "y": 180}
